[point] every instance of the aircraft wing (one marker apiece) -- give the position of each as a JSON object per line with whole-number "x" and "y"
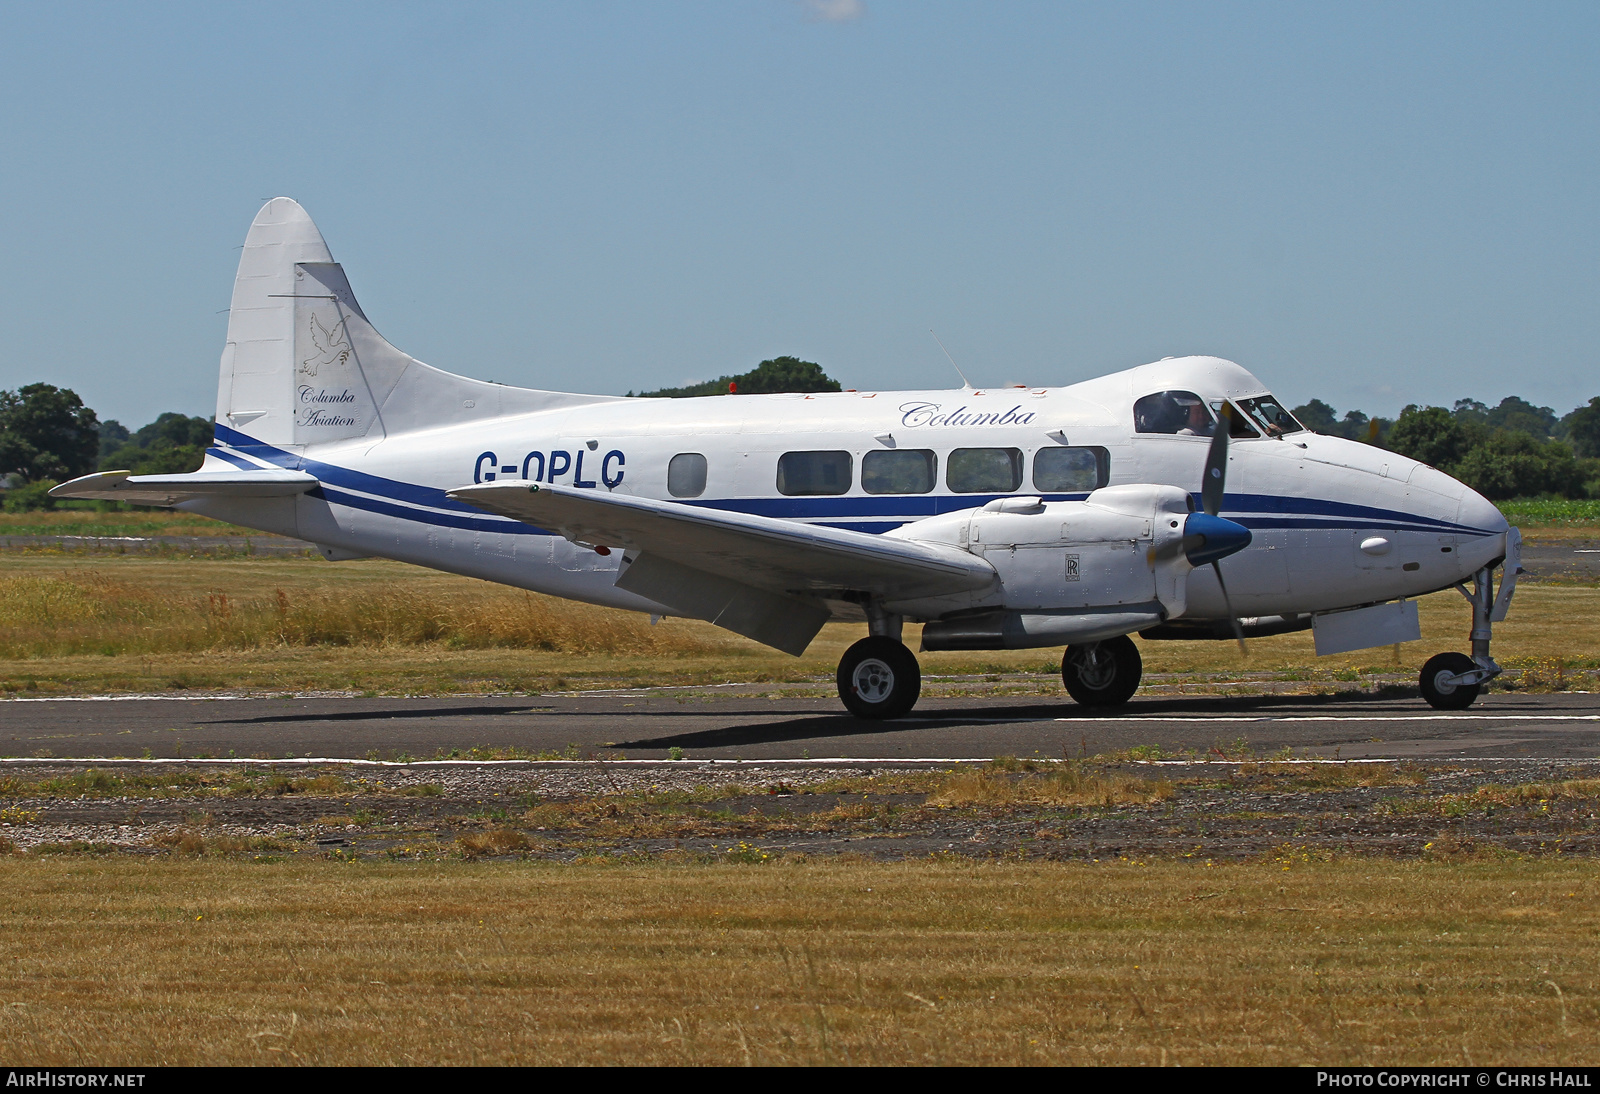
{"x": 265, "y": 482}
{"x": 757, "y": 576}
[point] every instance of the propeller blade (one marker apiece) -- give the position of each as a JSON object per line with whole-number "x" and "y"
{"x": 1216, "y": 472}
{"x": 1238, "y": 631}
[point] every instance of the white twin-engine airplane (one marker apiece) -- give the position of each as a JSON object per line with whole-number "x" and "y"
{"x": 1000, "y": 518}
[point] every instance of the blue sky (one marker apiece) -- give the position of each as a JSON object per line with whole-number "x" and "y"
{"x": 1371, "y": 203}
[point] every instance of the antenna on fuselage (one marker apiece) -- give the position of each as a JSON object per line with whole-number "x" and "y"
{"x": 966, "y": 384}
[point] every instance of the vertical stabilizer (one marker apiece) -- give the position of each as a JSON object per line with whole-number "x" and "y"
{"x": 254, "y": 392}
{"x": 303, "y": 366}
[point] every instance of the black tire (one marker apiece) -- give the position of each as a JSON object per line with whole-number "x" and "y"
{"x": 879, "y": 678}
{"x": 1102, "y": 674}
{"x": 1442, "y": 696}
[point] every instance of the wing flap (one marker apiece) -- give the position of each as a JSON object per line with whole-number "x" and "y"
{"x": 273, "y": 482}
{"x": 780, "y": 556}
{"x": 788, "y": 623}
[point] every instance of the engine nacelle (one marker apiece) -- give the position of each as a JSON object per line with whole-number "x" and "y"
{"x": 1077, "y": 571}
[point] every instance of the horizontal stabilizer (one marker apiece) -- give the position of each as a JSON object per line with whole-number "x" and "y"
{"x": 171, "y": 489}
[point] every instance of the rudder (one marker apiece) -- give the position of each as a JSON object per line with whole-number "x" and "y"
{"x": 303, "y": 365}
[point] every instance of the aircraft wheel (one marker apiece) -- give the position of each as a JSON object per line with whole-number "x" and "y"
{"x": 1442, "y": 695}
{"x": 879, "y": 678}
{"x": 1102, "y": 674}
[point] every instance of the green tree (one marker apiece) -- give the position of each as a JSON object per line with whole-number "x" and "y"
{"x": 46, "y": 433}
{"x": 1433, "y": 435}
{"x": 173, "y": 444}
{"x": 113, "y": 435}
{"x": 1513, "y": 464}
{"x": 1317, "y": 416}
{"x": 1520, "y": 416}
{"x": 1355, "y": 425}
{"x": 1358, "y": 427}
{"x": 774, "y": 375}
{"x": 1582, "y": 429}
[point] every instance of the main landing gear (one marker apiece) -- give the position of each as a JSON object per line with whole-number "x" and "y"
{"x": 1452, "y": 681}
{"x": 879, "y": 677}
{"x": 1102, "y": 674}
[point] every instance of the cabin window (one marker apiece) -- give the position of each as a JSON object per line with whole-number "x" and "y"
{"x": 984, "y": 470}
{"x": 1071, "y": 470}
{"x": 1182, "y": 413}
{"x": 801, "y": 473}
{"x": 900, "y": 471}
{"x": 686, "y": 475}
{"x": 1268, "y": 413}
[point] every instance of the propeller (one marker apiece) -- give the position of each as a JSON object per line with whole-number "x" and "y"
{"x": 1207, "y": 537}
{"x": 1216, "y": 476}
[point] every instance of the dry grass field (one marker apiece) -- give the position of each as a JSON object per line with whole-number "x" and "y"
{"x": 89, "y": 623}
{"x": 1289, "y": 960}
{"x": 91, "y": 521}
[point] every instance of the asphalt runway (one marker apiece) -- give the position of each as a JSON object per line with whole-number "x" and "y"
{"x": 709, "y": 723}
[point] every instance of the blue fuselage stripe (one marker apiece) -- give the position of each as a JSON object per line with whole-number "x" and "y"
{"x": 874, "y": 513}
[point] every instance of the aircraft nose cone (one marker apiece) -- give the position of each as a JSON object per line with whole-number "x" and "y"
{"x": 1479, "y": 513}
{"x": 1207, "y": 538}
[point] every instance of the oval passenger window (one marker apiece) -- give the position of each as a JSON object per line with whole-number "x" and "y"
{"x": 802, "y": 473}
{"x": 983, "y": 470}
{"x": 1071, "y": 470}
{"x": 686, "y": 475}
{"x": 901, "y": 471}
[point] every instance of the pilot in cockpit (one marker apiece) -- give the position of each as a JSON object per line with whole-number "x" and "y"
{"x": 1198, "y": 423}
{"x": 1182, "y": 413}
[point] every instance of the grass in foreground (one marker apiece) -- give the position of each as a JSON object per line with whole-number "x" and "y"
{"x": 1282, "y": 961}
{"x": 135, "y": 623}
{"x": 90, "y": 520}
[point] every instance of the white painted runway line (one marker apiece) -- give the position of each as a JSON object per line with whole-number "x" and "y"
{"x": 684, "y": 763}
{"x": 826, "y": 761}
{"x": 163, "y": 698}
{"x": 1339, "y": 718}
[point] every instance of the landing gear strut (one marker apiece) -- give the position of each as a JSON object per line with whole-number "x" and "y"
{"x": 878, "y": 677}
{"x": 1102, "y": 674}
{"x": 1451, "y": 681}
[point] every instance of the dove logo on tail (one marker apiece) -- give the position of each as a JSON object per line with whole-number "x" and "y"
{"x": 331, "y": 345}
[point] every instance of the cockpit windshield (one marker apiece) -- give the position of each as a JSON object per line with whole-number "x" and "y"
{"x": 1182, "y": 413}
{"x": 1269, "y": 415}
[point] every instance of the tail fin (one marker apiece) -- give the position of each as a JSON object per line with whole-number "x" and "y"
{"x": 304, "y": 366}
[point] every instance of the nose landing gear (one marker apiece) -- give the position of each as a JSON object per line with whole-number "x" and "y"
{"x": 1452, "y": 681}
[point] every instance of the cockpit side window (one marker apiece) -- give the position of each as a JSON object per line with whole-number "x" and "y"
{"x": 1181, "y": 413}
{"x": 1239, "y": 427}
{"x": 1269, "y": 414}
